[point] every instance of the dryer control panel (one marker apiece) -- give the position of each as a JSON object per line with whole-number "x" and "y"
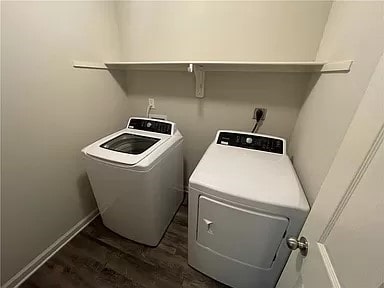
{"x": 151, "y": 125}
{"x": 251, "y": 141}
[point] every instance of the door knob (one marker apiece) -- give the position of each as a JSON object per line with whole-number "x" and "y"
{"x": 302, "y": 244}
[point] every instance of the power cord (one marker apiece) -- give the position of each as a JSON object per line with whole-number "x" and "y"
{"x": 259, "y": 115}
{"x": 149, "y": 108}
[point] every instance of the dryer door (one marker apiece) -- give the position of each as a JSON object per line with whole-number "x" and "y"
{"x": 244, "y": 235}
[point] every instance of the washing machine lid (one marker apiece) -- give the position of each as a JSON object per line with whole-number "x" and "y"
{"x": 127, "y": 146}
{"x": 234, "y": 166}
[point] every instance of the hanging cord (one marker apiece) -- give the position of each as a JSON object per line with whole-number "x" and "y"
{"x": 254, "y": 128}
{"x": 259, "y": 116}
{"x": 257, "y": 126}
{"x": 149, "y": 108}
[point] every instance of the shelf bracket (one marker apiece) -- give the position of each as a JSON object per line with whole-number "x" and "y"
{"x": 199, "y": 72}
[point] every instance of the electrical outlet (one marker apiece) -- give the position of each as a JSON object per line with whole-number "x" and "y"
{"x": 158, "y": 116}
{"x": 151, "y": 102}
{"x": 264, "y": 110}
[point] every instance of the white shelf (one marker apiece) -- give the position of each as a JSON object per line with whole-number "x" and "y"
{"x": 200, "y": 67}
{"x": 220, "y": 66}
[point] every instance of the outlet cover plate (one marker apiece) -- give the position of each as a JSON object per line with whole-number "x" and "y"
{"x": 158, "y": 116}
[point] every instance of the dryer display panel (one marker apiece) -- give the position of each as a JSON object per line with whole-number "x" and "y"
{"x": 250, "y": 141}
{"x": 130, "y": 143}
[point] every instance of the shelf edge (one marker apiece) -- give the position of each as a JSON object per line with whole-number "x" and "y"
{"x": 339, "y": 66}
{"x": 305, "y": 67}
{"x": 89, "y": 65}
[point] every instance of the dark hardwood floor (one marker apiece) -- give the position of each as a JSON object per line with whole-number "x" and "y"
{"x": 97, "y": 257}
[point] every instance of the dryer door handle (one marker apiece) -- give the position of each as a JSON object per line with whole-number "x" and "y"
{"x": 209, "y": 224}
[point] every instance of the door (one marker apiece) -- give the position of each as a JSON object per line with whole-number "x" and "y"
{"x": 345, "y": 228}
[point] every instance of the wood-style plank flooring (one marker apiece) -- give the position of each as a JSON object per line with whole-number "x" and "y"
{"x": 97, "y": 257}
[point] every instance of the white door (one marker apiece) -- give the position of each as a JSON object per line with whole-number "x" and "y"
{"x": 345, "y": 228}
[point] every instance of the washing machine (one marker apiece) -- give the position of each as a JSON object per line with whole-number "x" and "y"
{"x": 136, "y": 176}
{"x": 245, "y": 200}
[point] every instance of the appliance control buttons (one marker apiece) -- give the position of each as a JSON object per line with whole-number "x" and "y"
{"x": 150, "y": 126}
{"x": 251, "y": 141}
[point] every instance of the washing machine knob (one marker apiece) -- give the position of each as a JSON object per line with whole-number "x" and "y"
{"x": 149, "y": 124}
{"x": 248, "y": 140}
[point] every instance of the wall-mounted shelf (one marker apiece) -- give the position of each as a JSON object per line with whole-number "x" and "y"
{"x": 200, "y": 67}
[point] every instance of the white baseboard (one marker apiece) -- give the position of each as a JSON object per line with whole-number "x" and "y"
{"x": 36, "y": 263}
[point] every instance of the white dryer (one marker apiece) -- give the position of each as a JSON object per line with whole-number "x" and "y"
{"x": 136, "y": 176}
{"x": 244, "y": 201}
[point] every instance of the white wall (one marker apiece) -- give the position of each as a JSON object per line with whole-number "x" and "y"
{"x": 49, "y": 112}
{"x": 221, "y": 30}
{"x": 229, "y": 103}
{"x": 355, "y": 30}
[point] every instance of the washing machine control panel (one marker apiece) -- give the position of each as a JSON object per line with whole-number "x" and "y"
{"x": 151, "y": 125}
{"x": 251, "y": 141}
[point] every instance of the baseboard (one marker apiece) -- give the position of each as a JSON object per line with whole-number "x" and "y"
{"x": 36, "y": 263}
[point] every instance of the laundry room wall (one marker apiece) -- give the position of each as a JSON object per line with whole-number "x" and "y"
{"x": 229, "y": 103}
{"x": 218, "y": 30}
{"x": 355, "y": 30}
{"x": 49, "y": 112}
{"x": 221, "y": 30}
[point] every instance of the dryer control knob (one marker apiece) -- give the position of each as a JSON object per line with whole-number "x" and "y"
{"x": 149, "y": 124}
{"x": 248, "y": 140}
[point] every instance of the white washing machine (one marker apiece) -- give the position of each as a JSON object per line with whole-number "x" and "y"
{"x": 136, "y": 176}
{"x": 244, "y": 201}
